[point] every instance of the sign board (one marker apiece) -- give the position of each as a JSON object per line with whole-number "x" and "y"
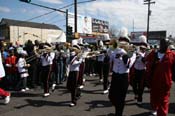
{"x": 88, "y": 25}
{"x": 100, "y": 26}
{"x": 153, "y": 35}
{"x": 84, "y": 24}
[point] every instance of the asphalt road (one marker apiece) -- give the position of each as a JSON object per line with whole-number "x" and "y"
{"x": 92, "y": 102}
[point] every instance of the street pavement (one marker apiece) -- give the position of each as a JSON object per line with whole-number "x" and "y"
{"x": 92, "y": 102}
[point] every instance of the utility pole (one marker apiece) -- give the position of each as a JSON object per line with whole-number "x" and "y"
{"x": 148, "y": 2}
{"x": 133, "y": 25}
{"x": 75, "y": 13}
{"x": 66, "y": 23}
{"x": 75, "y": 16}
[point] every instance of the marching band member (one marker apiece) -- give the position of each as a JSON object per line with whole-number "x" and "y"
{"x": 84, "y": 52}
{"x": 119, "y": 83}
{"x": 139, "y": 70}
{"x": 46, "y": 63}
{"x": 72, "y": 82}
{"x": 106, "y": 69}
{"x": 100, "y": 59}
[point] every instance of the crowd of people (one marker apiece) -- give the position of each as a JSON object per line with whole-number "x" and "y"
{"x": 43, "y": 64}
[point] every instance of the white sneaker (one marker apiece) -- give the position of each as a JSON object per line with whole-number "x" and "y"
{"x": 53, "y": 87}
{"x": 81, "y": 87}
{"x": 101, "y": 80}
{"x": 23, "y": 90}
{"x": 105, "y": 91}
{"x": 154, "y": 113}
{"x": 71, "y": 104}
{"x": 27, "y": 89}
{"x": 46, "y": 94}
{"x": 7, "y": 99}
{"x": 84, "y": 80}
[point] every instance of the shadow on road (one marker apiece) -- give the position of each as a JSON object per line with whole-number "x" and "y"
{"x": 142, "y": 114}
{"x": 111, "y": 114}
{"x": 23, "y": 94}
{"x": 92, "y": 91}
{"x": 40, "y": 103}
{"x": 98, "y": 104}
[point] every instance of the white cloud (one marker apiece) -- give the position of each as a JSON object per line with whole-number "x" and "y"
{"x": 124, "y": 12}
{"x": 53, "y": 1}
{"x": 4, "y": 9}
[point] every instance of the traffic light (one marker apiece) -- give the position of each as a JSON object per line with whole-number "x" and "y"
{"x": 69, "y": 31}
{"x": 28, "y": 1}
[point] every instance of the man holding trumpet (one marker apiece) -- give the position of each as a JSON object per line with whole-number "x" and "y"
{"x": 72, "y": 82}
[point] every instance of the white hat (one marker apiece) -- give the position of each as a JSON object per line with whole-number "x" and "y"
{"x": 123, "y": 36}
{"x": 80, "y": 41}
{"x": 142, "y": 39}
{"x": 101, "y": 43}
{"x": 171, "y": 47}
{"x": 123, "y": 32}
{"x": 74, "y": 42}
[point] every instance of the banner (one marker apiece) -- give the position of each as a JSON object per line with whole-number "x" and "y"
{"x": 84, "y": 24}
{"x": 100, "y": 26}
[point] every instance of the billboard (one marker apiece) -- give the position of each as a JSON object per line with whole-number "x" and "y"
{"x": 100, "y": 26}
{"x": 88, "y": 25}
{"x": 154, "y": 36}
{"x": 84, "y": 24}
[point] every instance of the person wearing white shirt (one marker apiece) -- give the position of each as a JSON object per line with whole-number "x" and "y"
{"x": 23, "y": 71}
{"x": 46, "y": 62}
{"x": 72, "y": 83}
{"x": 121, "y": 64}
{"x": 139, "y": 71}
{"x": 100, "y": 59}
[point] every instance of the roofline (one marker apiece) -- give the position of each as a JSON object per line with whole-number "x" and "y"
{"x": 20, "y": 23}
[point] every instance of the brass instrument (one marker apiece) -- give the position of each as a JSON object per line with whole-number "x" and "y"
{"x": 38, "y": 53}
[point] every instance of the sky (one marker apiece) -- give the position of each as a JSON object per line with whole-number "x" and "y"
{"x": 131, "y": 14}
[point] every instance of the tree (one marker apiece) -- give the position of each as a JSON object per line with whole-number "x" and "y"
{"x": 113, "y": 31}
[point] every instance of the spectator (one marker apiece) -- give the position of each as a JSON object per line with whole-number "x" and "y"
{"x": 160, "y": 77}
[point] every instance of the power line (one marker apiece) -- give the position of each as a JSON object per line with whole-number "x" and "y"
{"x": 53, "y": 17}
{"x": 48, "y": 13}
{"x": 58, "y": 21}
{"x": 54, "y": 10}
{"x": 40, "y": 16}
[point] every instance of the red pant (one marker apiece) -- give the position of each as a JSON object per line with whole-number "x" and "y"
{"x": 4, "y": 93}
{"x": 160, "y": 103}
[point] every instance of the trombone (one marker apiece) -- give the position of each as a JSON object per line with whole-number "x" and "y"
{"x": 38, "y": 53}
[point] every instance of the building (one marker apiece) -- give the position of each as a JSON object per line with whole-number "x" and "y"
{"x": 154, "y": 36}
{"x": 15, "y": 30}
